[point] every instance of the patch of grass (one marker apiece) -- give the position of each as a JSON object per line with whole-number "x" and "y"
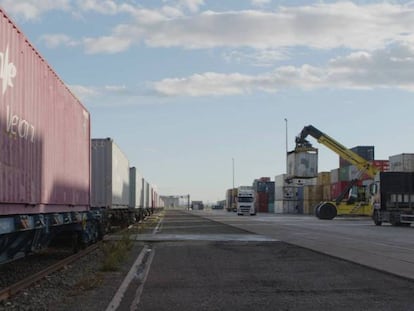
{"x": 115, "y": 253}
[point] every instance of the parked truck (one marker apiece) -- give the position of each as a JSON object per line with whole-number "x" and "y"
{"x": 393, "y": 198}
{"x": 245, "y": 201}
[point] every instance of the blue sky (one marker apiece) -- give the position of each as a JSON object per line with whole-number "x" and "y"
{"x": 184, "y": 86}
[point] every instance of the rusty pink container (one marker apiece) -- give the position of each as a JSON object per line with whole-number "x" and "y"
{"x": 44, "y": 133}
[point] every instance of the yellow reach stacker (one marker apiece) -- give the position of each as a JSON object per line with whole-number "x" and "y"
{"x": 354, "y": 199}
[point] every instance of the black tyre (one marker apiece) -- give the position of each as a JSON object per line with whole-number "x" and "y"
{"x": 327, "y": 211}
{"x": 377, "y": 219}
{"x": 317, "y": 210}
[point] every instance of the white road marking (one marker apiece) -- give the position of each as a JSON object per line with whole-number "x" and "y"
{"x": 158, "y": 227}
{"x": 144, "y": 275}
{"x": 116, "y": 300}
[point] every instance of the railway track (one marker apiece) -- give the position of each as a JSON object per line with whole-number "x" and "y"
{"x": 17, "y": 287}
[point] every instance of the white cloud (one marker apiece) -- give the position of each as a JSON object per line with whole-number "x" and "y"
{"x": 100, "y": 6}
{"x": 55, "y": 40}
{"x": 33, "y": 9}
{"x": 260, "y": 3}
{"x": 84, "y": 92}
{"x": 108, "y": 45}
{"x": 116, "y": 88}
{"x": 192, "y": 5}
{"x": 319, "y": 26}
{"x": 387, "y": 68}
{"x": 261, "y": 58}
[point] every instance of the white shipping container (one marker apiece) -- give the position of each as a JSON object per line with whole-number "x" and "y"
{"x": 135, "y": 180}
{"x": 304, "y": 181}
{"x": 280, "y": 180}
{"x": 283, "y": 180}
{"x": 110, "y": 175}
{"x": 402, "y": 162}
{"x": 302, "y": 164}
{"x": 286, "y": 207}
{"x": 286, "y": 193}
{"x": 147, "y": 191}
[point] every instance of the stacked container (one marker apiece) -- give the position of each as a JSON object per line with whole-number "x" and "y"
{"x": 402, "y": 162}
{"x": 347, "y": 172}
{"x": 289, "y": 194}
{"x": 265, "y": 195}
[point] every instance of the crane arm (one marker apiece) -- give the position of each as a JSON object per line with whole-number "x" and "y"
{"x": 341, "y": 150}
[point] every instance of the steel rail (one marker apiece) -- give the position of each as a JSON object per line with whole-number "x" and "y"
{"x": 12, "y": 290}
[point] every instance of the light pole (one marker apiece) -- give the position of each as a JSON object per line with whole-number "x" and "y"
{"x": 287, "y": 148}
{"x": 232, "y": 189}
{"x": 232, "y": 159}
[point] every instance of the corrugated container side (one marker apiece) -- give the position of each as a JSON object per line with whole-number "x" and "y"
{"x": 101, "y": 190}
{"x": 261, "y": 203}
{"x": 312, "y": 193}
{"x": 324, "y": 178}
{"x": 303, "y": 182}
{"x": 302, "y": 164}
{"x": 326, "y": 193}
{"x": 286, "y": 193}
{"x": 120, "y": 178}
{"x": 335, "y": 176}
{"x": 271, "y": 190}
{"x": 382, "y": 165}
{"x": 367, "y": 152}
{"x": 402, "y": 162}
{"x": 135, "y": 188}
{"x": 344, "y": 173}
{"x": 259, "y": 186}
{"x": 271, "y": 207}
{"x": 280, "y": 180}
{"x": 42, "y": 163}
{"x": 147, "y": 195}
{"x": 287, "y": 207}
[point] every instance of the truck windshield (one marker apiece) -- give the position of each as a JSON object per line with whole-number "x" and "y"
{"x": 245, "y": 199}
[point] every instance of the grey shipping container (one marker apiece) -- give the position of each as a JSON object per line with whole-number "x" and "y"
{"x": 110, "y": 175}
{"x": 402, "y": 162}
{"x": 302, "y": 164}
{"x": 135, "y": 188}
{"x": 367, "y": 152}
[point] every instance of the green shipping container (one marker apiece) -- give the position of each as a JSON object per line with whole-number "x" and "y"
{"x": 271, "y": 207}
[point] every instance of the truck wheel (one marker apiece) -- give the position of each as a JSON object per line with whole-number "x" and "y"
{"x": 376, "y": 218}
{"x": 327, "y": 211}
{"x": 317, "y": 210}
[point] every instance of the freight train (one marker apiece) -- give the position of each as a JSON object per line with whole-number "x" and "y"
{"x": 55, "y": 180}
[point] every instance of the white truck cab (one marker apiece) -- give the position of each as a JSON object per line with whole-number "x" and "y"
{"x": 245, "y": 201}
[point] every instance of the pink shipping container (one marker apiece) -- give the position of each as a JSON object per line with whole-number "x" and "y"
{"x": 44, "y": 136}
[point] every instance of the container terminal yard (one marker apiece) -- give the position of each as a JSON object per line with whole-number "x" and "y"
{"x": 334, "y": 240}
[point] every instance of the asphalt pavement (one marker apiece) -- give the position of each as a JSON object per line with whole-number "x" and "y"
{"x": 200, "y": 264}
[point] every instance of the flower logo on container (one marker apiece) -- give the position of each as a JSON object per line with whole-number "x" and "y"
{"x": 7, "y": 70}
